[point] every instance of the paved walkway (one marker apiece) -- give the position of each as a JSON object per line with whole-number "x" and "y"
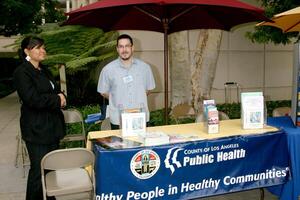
{"x": 12, "y": 182}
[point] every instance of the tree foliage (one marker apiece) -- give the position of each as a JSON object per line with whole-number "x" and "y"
{"x": 84, "y": 51}
{"x": 266, "y": 34}
{"x": 79, "y": 48}
{"x": 25, "y": 16}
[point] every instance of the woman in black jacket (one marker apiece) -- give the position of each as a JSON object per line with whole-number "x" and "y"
{"x": 42, "y": 122}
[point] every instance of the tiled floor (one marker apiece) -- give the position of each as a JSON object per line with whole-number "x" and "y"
{"x": 12, "y": 182}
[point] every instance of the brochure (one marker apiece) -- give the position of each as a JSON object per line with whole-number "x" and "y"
{"x": 211, "y": 116}
{"x": 212, "y": 120}
{"x": 206, "y": 104}
{"x": 252, "y": 110}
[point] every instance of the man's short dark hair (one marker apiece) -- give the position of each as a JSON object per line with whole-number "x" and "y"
{"x": 125, "y": 36}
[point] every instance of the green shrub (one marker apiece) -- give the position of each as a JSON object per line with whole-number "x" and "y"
{"x": 234, "y": 110}
{"x": 156, "y": 118}
{"x": 271, "y": 105}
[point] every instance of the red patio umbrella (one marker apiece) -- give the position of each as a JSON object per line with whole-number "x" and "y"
{"x": 166, "y": 16}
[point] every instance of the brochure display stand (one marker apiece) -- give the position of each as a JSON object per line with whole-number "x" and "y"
{"x": 295, "y": 113}
{"x": 252, "y": 110}
{"x": 133, "y": 122}
{"x": 230, "y": 88}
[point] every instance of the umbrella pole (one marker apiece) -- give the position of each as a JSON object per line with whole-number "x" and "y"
{"x": 166, "y": 73}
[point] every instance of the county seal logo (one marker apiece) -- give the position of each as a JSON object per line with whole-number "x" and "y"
{"x": 144, "y": 164}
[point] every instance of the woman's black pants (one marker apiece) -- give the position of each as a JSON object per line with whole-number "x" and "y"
{"x": 34, "y": 183}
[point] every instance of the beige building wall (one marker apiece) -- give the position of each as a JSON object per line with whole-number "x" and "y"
{"x": 255, "y": 67}
{"x": 5, "y": 42}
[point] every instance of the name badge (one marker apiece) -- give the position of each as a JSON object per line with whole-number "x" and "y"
{"x": 127, "y": 79}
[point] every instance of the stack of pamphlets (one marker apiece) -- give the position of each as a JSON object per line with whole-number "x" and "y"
{"x": 211, "y": 116}
{"x": 154, "y": 138}
{"x": 252, "y": 110}
{"x": 114, "y": 142}
{"x": 177, "y": 138}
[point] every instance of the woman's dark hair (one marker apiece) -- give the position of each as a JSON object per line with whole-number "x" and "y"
{"x": 29, "y": 42}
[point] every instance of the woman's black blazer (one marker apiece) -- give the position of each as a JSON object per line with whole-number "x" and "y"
{"x": 41, "y": 121}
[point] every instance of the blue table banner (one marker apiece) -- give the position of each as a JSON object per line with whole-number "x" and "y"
{"x": 192, "y": 169}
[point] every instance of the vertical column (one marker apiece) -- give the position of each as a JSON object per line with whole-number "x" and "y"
{"x": 295, "y": 112}
{"x": 68, "y": 3}
{"x": 43, "y": 12}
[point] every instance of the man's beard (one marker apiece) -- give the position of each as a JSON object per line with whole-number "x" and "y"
{"x": 125, "y": 57}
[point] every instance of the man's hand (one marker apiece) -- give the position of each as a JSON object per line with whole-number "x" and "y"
{"x": 105, "y": 95}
